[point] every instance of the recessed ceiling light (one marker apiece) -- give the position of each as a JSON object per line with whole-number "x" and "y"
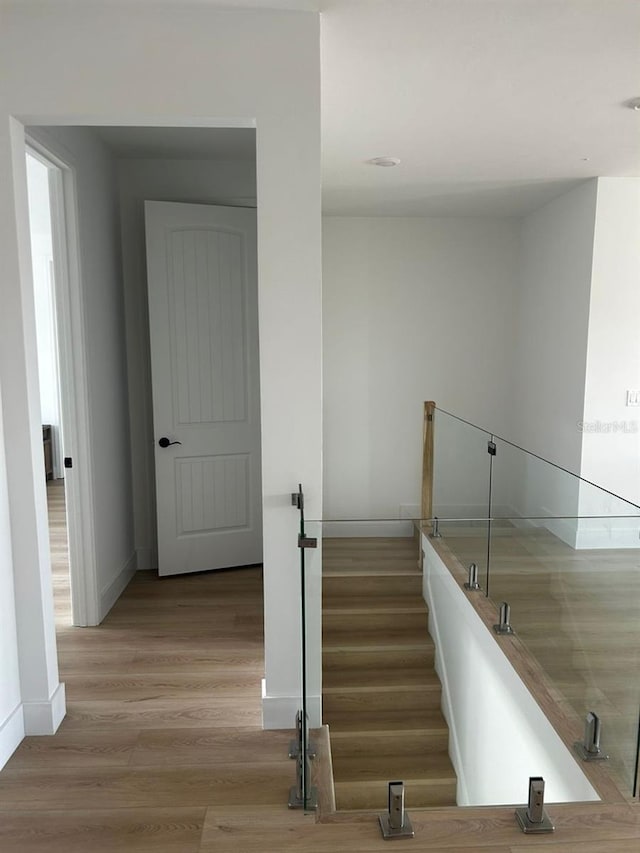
{"x": 633, "y": 104}
{"x": 384, "y": 161}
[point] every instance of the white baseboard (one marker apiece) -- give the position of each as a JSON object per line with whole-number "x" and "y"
{"x": 605, "y": 535}
{"x": 112, "y": 592}
{"x": 143, "y": 556}
{"x": 389, "y": 528}
{"x": 478, "y": 512}
{"x": 44, "y": 718}
{"x": 11, "y": 734}
{"x": 279, "y": 712}
{"x": 586, "y": 533}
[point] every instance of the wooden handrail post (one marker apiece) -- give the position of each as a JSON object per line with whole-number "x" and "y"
{"x": 427, "y": 460}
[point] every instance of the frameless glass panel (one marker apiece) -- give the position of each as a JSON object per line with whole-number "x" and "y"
{"x": 577, "y": 610}
{"x": 461, "y": 468}
{"x": 313, "y": 621}
{"x": 304, "y": 794}
{"x": 526, "y": 486}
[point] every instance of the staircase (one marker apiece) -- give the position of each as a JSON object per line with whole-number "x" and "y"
{"x": 381, "y": 694}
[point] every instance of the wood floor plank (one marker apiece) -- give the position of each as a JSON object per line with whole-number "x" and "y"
{"x": 91, "y": 640}
{"x": 177, "y": 685}
{"x": 166, "y": 830}
{"x": 72, "y": 748}
{"x": 229, "y": 711}
{"x": 160, "y": 662}
{"x": 611, "y": 845}
{"x": 147, "y": 787}
{"x": 479, "y": 828}
{"x": 160, "y": 747}
{"x": 276, "y": 829}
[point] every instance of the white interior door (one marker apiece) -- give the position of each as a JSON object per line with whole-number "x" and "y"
{"x": 203, "y": 315}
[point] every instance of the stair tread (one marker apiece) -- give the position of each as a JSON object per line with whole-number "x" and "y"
{"x": 389, "y": 721}
{"x": 420, "y": 644}
{"x": 409, "y": 676}
{"x": 431, "y": 768}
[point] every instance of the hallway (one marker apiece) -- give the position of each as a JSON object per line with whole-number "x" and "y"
{"x": 164, "y": 718}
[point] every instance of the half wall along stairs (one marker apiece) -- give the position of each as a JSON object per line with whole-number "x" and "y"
{"x": 381, "y": 694}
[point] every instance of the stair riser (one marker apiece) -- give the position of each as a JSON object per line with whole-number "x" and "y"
{"x": 353, "y": 795}
{"x": 397, "y": 545}
{"x": 380, "y": 659}
{"x": 387, "y": 743}
{"x": 336, "y": 585}
{"x": 380, "y": 700}
{"x": 370, "y": 564}
{"x": 373, "y": 680}
{"x": 336, "y": 623}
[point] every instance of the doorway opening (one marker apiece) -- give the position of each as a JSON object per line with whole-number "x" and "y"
{"x": 193, "y": 171}
{"x": 104, "y": 180}
{"x": 41, "y": 187}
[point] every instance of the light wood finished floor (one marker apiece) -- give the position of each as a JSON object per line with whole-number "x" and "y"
{"x": 578, "y": 614}
{"x": 162, "y": 750}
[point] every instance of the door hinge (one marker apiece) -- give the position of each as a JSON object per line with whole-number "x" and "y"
{"x": 68, "y": 462}
{"x": 491, "y": 448}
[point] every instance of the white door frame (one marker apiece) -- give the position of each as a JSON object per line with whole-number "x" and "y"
{"x": 68, "y": 297}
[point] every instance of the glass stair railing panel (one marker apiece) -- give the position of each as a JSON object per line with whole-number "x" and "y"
{"x": 565, "y": 556}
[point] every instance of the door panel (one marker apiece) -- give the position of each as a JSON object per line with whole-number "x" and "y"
{"x": 203, "y": 316}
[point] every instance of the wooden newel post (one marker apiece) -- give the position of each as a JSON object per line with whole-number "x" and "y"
{"x": 427, "y": 460}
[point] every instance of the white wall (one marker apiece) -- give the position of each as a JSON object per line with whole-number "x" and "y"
{"x": 499, "y": 736}
{"x": 42, "y": 694}
{"x": 230, "y": 67}
{"x": 104, "y": 326}
{"x": 11, "y": 716}
{"x": 552, "y": 325}
{"x": 200, "y": 181}
{"x": 611, "y": 436}
{"x": 577, "y": 353}
{"x": 611, "y": 429}
{"x": 549, "y": 358}
{"x": 413, "y": 309}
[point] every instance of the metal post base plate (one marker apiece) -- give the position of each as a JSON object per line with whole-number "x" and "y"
{"x": 294, "y": 749}
{"x": 527, "y": 825}
{"x": 388, "y": 832}
{"x": 585, "y": 755}
{"x": 503, "y": 629}
{"x": 296, "y": 802}
{"x": 474, "y": 587}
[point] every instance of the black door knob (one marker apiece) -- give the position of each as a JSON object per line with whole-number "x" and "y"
{"x": 164, "y": 442}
